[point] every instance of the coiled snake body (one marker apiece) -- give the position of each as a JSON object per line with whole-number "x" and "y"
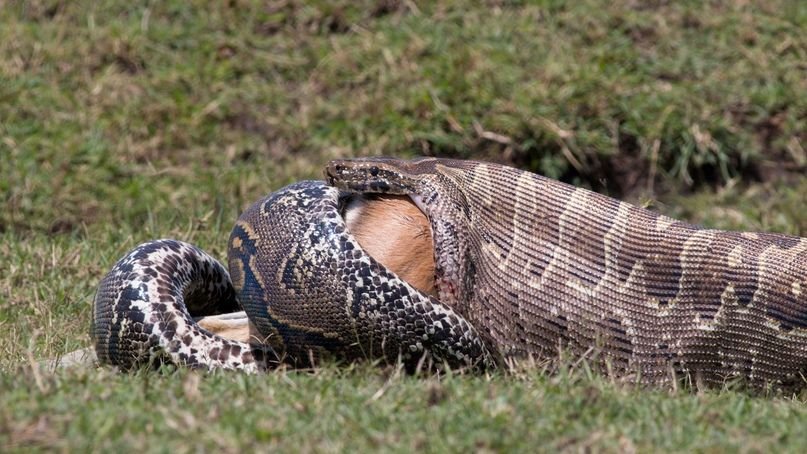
{"x": 524, "y": 266}
{"x": 304, "y": 282}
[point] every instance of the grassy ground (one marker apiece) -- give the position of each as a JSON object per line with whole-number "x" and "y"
{"x": 120, "y": 124}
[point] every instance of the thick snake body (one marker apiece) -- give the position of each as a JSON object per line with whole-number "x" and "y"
{"x": 538, "y": 266}
{"x": 142, "y": 311}
{"x": 525, "y": 266}
{"x": 303, "y": 280}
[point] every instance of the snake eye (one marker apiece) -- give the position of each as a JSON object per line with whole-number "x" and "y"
{"x": 374, "y": 171}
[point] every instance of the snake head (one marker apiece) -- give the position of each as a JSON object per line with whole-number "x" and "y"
{"x": 382, "y": 175}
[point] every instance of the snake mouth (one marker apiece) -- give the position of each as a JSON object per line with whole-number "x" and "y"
{"x": 393, "y": 230}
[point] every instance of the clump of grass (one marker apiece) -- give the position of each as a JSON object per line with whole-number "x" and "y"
{"x": 762, "y": 207}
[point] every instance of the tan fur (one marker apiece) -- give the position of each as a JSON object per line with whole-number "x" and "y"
{"x": 394, "y": 231}
{"x": 230, "y": 327}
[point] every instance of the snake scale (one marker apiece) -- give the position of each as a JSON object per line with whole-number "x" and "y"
{"x": 303, "y": 280}
{"x": 525, "y": 266}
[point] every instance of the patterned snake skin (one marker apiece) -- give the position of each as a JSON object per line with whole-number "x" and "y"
{"x": 525, "y": 266}
{"x": 537, "y": 265}
{"x": 302, "y": 279}
{"x": 143, "y": 306}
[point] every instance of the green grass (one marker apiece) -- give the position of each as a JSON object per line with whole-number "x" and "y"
{"x": 123, "y": 123}
{"x": 337, "y": 410}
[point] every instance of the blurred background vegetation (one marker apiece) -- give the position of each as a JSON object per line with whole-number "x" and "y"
{"x": 110, "y": 112}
